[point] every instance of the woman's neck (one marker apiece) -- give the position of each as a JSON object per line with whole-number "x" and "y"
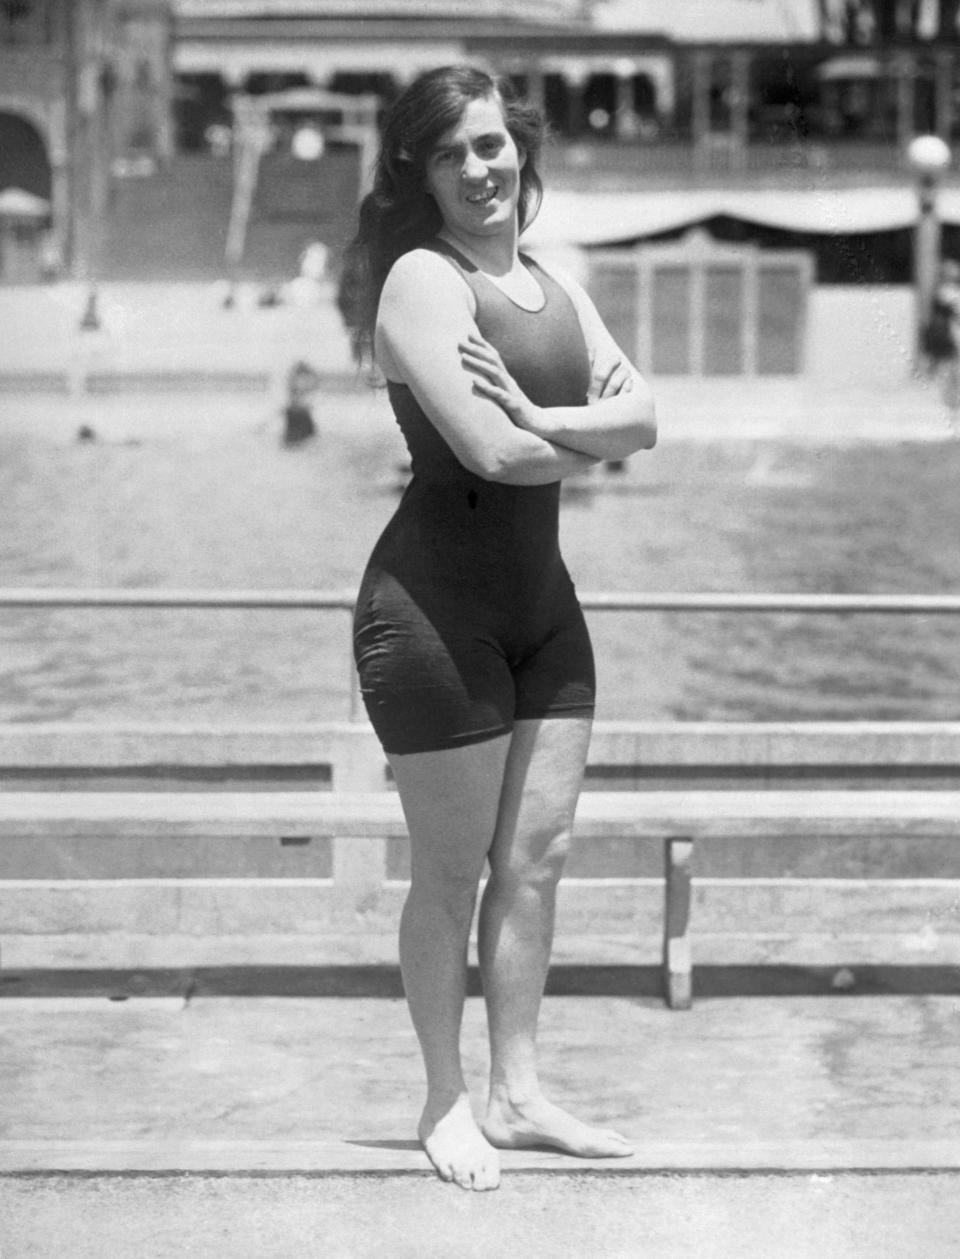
{"x": 494, "y": 255}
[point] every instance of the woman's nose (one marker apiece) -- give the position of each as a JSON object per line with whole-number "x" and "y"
{"x": 474, "y": 167}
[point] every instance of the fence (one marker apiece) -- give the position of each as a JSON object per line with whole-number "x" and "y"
{"x": 603, "y": 601}
{"x": 120, "y": 899}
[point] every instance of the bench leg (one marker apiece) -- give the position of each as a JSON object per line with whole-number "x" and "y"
{"x": 677, "y": 959}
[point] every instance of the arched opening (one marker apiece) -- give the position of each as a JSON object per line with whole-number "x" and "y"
{"x": 25, "y": 190}
{"x": 600, "y": 105}
{"x": 24, "y": 162}
{"x": 201, "y": 113}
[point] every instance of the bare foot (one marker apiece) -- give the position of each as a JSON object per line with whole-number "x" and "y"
{"x": 457, "y": 1148}
{"x": 514, "y": 1126}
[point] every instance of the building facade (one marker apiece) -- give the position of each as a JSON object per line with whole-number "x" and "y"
{"x": 84, "y": 85}
{"x": 98, "y": 94}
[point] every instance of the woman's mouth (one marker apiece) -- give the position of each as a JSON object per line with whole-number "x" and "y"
{"x": 482, "y": 198}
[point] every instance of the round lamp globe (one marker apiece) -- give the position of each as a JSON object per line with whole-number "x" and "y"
{"x": 307, "y": 144}
{"x": 928, "y": 155}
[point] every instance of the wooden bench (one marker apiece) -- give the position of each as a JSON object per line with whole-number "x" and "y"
{"x": 360, "y": 815}
{"x": 677, "y": 819}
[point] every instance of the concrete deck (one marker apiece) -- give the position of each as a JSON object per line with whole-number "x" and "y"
{"x": 181, "y": 334}
{"x": 789, "y": 413}
{"x": 261, "y": 1126}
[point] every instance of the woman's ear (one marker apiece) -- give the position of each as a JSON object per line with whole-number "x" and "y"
{"x": 522, "y": 155}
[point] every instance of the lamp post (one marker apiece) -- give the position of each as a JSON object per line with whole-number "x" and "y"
{"x": 251, "y": 139}
{"x": 928, "y": 157}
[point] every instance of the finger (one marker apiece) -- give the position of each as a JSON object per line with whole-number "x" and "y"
{"x": 481, "y": 349}
{"x": 480, "y": 367}
{"x": 486, "y": 389}
{"x": 606, "y": 382}
{"x": 478, "y": 356}
{"x": 619, "y": 380}
{"x": 478, "y": 342}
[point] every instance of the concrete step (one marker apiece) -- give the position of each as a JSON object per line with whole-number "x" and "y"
{"x": 349, "y": 1158}
{"x": 796, "y": 1127}
{"x": 559, "y": 1216}
{"x": 173, "y": 225}
{"x": 871, "y": 1079}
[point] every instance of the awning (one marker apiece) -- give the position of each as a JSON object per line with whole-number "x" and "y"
{"x": 577, "y": 218}
{"x": 16, "y": 203}
{"x": 713, "y": 21}
{"x": 850, "y": 68}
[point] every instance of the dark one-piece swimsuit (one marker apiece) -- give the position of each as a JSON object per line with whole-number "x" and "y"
{"x": 467, "y": 619}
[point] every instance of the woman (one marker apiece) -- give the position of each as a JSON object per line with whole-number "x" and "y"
{"x": 472, "y": 652}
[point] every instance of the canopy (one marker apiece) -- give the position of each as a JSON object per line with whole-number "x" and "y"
{"x": 15, "y": 203}
{"x": 713, "y": 21}
{"x": 579, "y": 218}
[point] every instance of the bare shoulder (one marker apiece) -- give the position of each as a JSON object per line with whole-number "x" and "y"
{"x": 593, "y": 327}
{"x": 425, "y": 309}
{"x": 582, "y": 302}
{"x": 423, "y": 275}
{"x": 562, "y": 275}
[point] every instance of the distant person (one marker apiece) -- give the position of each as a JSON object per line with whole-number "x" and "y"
{"x": 218, "y": 138}
{"x": 298, "y": 422}
{"x": 307, "y": 286}
{"x": 473, "y": 654}
{"x": 940, "y": 339}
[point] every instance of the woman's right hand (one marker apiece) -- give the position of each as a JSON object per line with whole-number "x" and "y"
{"x": 607, "y": 380}
{"x": 492, "y": 380}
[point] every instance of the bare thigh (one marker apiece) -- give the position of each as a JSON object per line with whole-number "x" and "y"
{"x": 451, "y": 801}
{"x": 541, "y": 784}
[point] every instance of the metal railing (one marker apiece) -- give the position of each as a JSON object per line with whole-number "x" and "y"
{"x": 842, "y": 162}
{"x": 602, "y": 601}
{"x": 169, "y": 599}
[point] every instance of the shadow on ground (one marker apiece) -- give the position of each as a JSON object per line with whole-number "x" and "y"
{"x": 563, "y": 981}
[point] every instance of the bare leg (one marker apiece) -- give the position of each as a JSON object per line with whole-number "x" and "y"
{"x": 541, "y": 785}
{"x": 450, "y": 802}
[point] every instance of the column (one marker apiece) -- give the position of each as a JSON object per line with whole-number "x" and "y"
{"x": 576, "y": 82}
{"x": 905, "y": 69}
{"x": 700, "y": 114}
{"x": 624, "y": 113}
{"x": 163, "y": 129}
{"x": 536, "y": 90}
{"x": 58, "y": 155}
{"x": 943, "y": 62}
{"x": 740, "y": 106}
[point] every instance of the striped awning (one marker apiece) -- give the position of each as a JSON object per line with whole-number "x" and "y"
{"x": 609, "y": 218}
{"x": 15, "y": 203}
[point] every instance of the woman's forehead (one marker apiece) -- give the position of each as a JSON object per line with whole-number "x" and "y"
{"x": 480, "y": 116}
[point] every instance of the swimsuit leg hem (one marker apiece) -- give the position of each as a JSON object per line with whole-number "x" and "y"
{"x": 445, "y": 745}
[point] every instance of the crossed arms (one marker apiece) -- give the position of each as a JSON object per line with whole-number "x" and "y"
{"x": 427, "y": 338}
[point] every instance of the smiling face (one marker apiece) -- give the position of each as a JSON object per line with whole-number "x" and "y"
{"x": 473, "y": 173}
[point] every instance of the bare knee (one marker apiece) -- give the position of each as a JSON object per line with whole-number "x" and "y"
{"x": 534, "y": 866}
{"x": 452, "y": 892}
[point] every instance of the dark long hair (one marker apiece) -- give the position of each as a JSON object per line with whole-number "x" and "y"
{"x": 399, "y": 213}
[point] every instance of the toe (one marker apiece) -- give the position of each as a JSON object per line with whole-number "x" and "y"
{"x": 617, "y": 1144}
{"x": 489, "y": 1178}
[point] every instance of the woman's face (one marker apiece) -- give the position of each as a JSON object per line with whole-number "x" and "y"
{"x": 473, "y": 172}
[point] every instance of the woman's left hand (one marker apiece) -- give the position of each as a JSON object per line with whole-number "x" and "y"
{"x": 493, "y": 381}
